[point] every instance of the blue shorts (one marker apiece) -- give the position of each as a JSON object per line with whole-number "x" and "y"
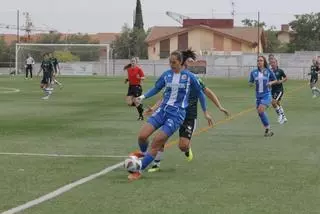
{"x": 168, "y": 118}
{"x": 265, "y": 100}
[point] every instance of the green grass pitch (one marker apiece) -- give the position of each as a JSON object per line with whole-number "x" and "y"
{"x": 235, "y": 169}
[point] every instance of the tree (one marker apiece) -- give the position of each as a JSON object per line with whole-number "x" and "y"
{"x": 130, "y": 43}
{"x": 80, "y": 53}
{"x": 253, "y": 23}
{"x": 306, "y": 28}
{"x": 272, "y": 45}
{"x": 138, "y": 21}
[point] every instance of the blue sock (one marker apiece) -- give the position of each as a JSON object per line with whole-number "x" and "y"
{"x": 264, "y": 119}
{"x": 148, "y": 158}
{"x": 143, "y": 146}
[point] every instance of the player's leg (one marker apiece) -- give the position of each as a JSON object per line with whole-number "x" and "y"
{"x": 283, "y": 116}
{"x": 275, "y": 105}
{"x": 130, "y": 97}
{"x": 31, "y": 69}
{"x": 138, "y": 92}
{"x": 154, "y": 122}
{"x": 169, "y": 126}
{"x": 185, "y": 134}
{"x": 55, "y": 81}
{"x": 27, "y": 71}
{"x": 262, "y": 104}
{"x": 157, "y": 160}
{"x": 315, "y": 91}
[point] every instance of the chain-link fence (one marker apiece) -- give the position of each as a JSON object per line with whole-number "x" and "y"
{"x": 295, "y": 65}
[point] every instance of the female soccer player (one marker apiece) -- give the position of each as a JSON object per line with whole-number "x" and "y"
{"x": 135, "y": 77}
{"x": 47, "y": 68}
{"x": 170, "y": 115}
{"x": 263, "y": 78}
{"x": 277, "y": 90}
{"x": 188, "y": 127}
{"x": 314, "y": 71}
{"x": 29, "y": 66}
{"x": 56, "y": 70}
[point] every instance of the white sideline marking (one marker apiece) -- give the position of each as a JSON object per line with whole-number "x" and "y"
{"x": 62, "y": 190}
{"x": 63, "y": 156}
{"x": 4, "y": 90}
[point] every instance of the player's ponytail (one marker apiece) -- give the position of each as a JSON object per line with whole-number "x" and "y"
{"x": 127, "y": 66}
{"x": 188, "y": 54}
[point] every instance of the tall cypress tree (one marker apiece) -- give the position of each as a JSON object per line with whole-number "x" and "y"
{"x": 138, "y": 24}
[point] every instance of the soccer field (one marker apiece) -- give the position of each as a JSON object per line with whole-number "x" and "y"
{"x": 89, "y": 127}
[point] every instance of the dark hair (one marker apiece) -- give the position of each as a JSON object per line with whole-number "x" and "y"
{"x": 182, "y": 56}
{"x": 265, "y": 63}
{"x": 127, "y": 66}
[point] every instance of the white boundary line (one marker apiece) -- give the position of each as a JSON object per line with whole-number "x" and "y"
{"x": 62, "y": 155}
{"x": 62, "y": 190}
{"x": 4, "y": 90}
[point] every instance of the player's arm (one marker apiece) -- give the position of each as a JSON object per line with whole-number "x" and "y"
{"x": 141, "y": 74}
{"x": 159, "y": 85}
{"x": 272, "y": 79}
{"x": 152, "y": 109}
{"x": 284, "y": 77}
{"x": 58, "y": 66}
{"x": 196, "y": 84}
{"x": 215, "y": 100}
{"x": 41, "y": 69}
{"x": 251, "y": 79}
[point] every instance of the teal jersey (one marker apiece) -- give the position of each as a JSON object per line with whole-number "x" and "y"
{"x": 279, "y": 75}
{"x": 314, "y": 71}
{"x": 192, "y": 109}
{"x": 47, "y": 66}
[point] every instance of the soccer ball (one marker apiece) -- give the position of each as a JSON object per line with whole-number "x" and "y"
{"x": 132, "y": 164}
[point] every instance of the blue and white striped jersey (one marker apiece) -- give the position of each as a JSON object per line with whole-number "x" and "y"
{"x": 177, "y": 88}
{"x": 261, "y": 80}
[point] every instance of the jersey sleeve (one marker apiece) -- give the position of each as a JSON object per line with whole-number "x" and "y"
{"x": 197, "y": 86}
{"x": 251, "y": 78}
{"x": 42, "y": 65}
{"x": 140, "y": 72}
{"x": 283, "y": 74}
{"x": 272, "y": 76}
{"x": 158, "y": 86}
{"x": 203, "y": 86}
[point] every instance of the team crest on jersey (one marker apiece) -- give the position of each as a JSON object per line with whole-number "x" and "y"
{"x": 277, "y": 73}
{"x": 184, "y": 77}
{"x": 265, "y": 72}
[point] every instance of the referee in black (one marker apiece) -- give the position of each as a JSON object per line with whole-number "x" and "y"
{"x": 29, "y": 66}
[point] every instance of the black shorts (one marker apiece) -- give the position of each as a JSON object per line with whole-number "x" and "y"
{"x": 313, "y": 80}
{"x": 46, "y": 79}
{"x": 29, "y": 67}
{"x": 277, "y": 95}
{"x": 134, "y": 90}
{"x": 187, "y": 128}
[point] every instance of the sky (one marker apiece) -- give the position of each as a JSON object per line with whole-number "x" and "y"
{"x": 93, "y": 16}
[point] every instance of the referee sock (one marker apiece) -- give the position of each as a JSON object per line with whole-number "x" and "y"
{"x": 140, "y": 110}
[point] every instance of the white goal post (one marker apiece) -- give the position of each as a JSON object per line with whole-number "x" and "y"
{"x": 88, "y": 59}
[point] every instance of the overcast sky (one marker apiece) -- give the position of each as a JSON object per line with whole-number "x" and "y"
{"x": 91, "y": 16}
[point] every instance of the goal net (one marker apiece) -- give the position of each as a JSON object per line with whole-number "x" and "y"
{"x": 74, "y": 59}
